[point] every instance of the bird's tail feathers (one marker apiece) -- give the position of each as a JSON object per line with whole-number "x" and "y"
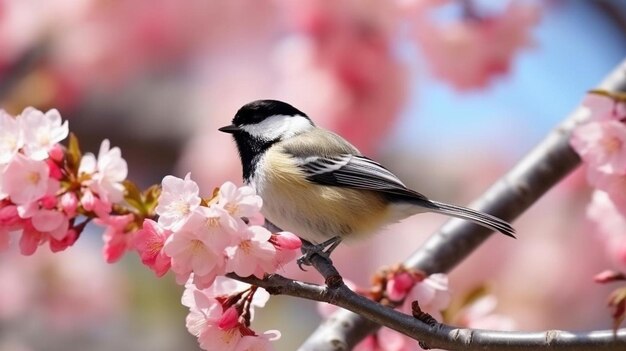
{"x": 484, "y": 219}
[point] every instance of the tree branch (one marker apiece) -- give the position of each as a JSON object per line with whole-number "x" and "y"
{"x": 549, "y": 162}
{"x": 436, "y": 335}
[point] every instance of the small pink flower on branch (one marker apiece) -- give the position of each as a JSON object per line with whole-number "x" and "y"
{"x": 239, "y": 202}
{"x": 252, "y": 253}
{"x": 471, "y": 52}
{"x": 609, "y": 276}
{"x": 178, "y": 199}
{"x": 117, "y": 238}
{"x": 220, "y": 316}
{"x": 11, "y": 137}
{"x": 601, "y": 144}
{"x": 41, "y": 132}
{"x": 105, "y": 174}
{"x": 25, "y": 180}
{"x": 149, "y": 242}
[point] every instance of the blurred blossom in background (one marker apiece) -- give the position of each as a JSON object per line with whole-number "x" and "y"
{"x": 448, "y": 94}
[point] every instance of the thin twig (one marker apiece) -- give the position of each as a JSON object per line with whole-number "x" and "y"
{"x": 549, "y": 162}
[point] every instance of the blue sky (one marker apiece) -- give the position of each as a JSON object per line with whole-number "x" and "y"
{"x": 576, "y": 48}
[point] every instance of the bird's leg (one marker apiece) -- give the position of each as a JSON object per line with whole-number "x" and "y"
{"x": 323, "y": 249}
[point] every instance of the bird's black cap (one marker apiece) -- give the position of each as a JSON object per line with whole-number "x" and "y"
{"x": 257, "y": 111}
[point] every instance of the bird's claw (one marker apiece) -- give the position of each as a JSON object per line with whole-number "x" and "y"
{"x": 323, "y": 249}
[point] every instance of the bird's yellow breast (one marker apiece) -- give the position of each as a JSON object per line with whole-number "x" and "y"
{"x": 315, "y": 212}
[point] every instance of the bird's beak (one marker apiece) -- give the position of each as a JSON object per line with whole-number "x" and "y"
{"x": 230, "y": 129}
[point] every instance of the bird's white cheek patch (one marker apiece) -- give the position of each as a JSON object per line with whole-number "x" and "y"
{"x": 278, "y": 126}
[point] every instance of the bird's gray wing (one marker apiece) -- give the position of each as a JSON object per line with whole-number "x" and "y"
{"x": 358, "y": 172}
{"x": 325, "y": 159}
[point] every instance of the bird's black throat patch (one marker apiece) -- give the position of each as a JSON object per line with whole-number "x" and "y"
{"x": 251, "y": 150}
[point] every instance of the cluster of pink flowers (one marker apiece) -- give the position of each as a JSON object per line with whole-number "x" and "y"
{"x": 211, "y": 238}
{"x": 470, "y": 52}
{"x": 48, "y": 193}
{"x": 220, "y": 316}
{"x": 601, "y": 144}
{"x": 203, "y": 240}
{"x": 42, "y": 191}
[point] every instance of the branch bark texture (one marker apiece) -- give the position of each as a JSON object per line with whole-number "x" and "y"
{"x": 542, "y": 168}
{"x": 436, "y": 335}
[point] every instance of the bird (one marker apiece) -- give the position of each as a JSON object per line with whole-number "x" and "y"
{"x": 317, "y": 185}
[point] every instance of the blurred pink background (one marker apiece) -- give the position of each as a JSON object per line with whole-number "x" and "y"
{"x": 447, "y": 94}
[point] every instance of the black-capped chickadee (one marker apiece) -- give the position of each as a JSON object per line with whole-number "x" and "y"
{"x": 318, "y": 186}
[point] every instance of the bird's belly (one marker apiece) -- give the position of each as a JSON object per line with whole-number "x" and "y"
{"x": 317, "y": 213}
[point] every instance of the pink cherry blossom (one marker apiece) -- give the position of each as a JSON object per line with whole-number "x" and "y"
{"x": 400, "y": 285}
{"x": 11, "y": 137}
{"x": 41, "y": 131}
{"x": 66, "y": 241}
{"x": 229, "y": 319}
{"x": 212, "y": 338}
{"x": 614, "y": 185}
{"x": 258, "y": 342}
{"x": 219, "y": 327}
{"x": 52, "y": 222}
{"x": 602, "y": 145}
{"x": 25, "y": 180}
{"x": 56, "y": 153}
{"x": 390, "y": 340}
{"x": 433, "y": 296}
{"x": 9, "y": 216}
{"x": 107, "y": 172}
{"x": 149, "y": 242}
{"x": 287, "y": 247}
{"x": 69, "y": 203}
{"x": 608, "y": 276}
{"x": 3, "y": 193}
{"x": 479, "y": 315}
{"x": 31, "y": 239}
{"x": 198, "y": 246}
{"x": 223, "y": 287}
{"x": 603, "y": 108}
{"x": 55, "y": 169}
{"x": 432, "y": 293}
{"x": 286, "y": 241}
{"x": 610, "y": 224}
{"x": 239, "y": 202}
{"x": 252, "y": 253}
{"x": 49, "y": 201}
{"x": 95, "y": 204}
{"x": 178, "y": 199}
{"x": 470, "y": 52}
{"x": 116, "y": 237}
{"x": 214, "y": 226}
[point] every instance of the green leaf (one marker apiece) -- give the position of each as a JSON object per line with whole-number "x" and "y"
{"x": 150, "y": 198}
{"x": 73, "y": 154}
{"x": 617, "y": 300}
{"x": 615, "y": 95}
{"x": 133, "y": 197}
